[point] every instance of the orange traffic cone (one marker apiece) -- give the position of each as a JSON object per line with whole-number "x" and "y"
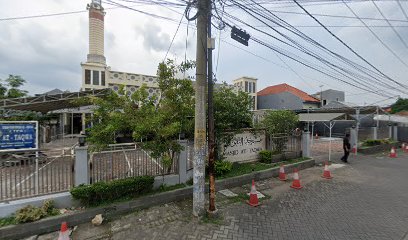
{"x": 393, "y": 153}
{"x": 326, "y": 173}
{"x": 253, "y": 196}
{"x": 64, "y": 233}
{"x": 354, "y": 149}
{"x": 282, "y": 174}
{"x": 296, "y": 181}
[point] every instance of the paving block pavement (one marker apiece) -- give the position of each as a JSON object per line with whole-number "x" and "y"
{"x": 365, "y": 200}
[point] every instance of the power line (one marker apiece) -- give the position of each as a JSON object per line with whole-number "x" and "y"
{"x": 335, "y": 16}
{"x": 376, "y": 36}
{"x": 348, "y": 47}
{"x": 174, "y": 36}
{"x": 302, "y": 49}
{"x": 393, "y": 29}
{"x": 402, "y": 9}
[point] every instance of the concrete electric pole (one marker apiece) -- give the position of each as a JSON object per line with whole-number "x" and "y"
{"x": 200, "y": 133}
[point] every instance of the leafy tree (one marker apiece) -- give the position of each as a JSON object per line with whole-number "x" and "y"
{"x": 231, "y": 114}
{"x": 158, "y": 120}
{"x": 10, "y": 87}
{"x": 400, "y": 105}
{"x": 279, "y": 123}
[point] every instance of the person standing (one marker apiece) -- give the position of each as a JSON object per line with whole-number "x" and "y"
{"x": 346, "y": 148}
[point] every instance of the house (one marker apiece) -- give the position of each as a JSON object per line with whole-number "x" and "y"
{"x": 330, "y": 95}
{"x": 284, "y": 96}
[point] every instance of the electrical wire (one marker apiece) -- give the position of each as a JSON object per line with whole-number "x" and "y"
{"x": 241, "y": 5}
{"x": 392, "y": 27}
{"x": 348, "y": 47}
{"x": 319, "y": 58}
{"x": 174, "y": 36}
{"x": 376, "y": 36}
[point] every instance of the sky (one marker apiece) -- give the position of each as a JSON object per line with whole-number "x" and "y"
{"x": 47, "y": 51}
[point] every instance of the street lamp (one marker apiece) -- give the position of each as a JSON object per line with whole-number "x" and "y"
{"x": 81, "y": 140}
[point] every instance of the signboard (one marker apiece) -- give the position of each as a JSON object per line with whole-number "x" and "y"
{"x": 18, "y": 135}
{"x": 245, "y": 147}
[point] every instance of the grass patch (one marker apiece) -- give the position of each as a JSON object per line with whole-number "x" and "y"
{"x": 7, "y": 221}
{"x": 219, "y": 220}
{"x": 245, "y": 168}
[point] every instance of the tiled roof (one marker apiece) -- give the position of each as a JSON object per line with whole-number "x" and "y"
{"x": 287, "y": 88}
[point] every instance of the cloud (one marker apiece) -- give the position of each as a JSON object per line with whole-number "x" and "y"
{"x": 47, "y": 58}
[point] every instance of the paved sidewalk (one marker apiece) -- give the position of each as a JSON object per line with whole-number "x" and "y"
{"x": 365, "y": 200}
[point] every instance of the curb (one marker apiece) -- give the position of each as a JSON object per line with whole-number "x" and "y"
{"x": 52, "y": 224}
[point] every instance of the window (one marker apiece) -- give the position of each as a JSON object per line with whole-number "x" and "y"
{"x": 95, "y": 77}
{"x": 246, "y": 86}
{"x": 87, "y": 76}
{"x": 253, "y": 103}
{"x": 103, "y": 78}
{"x": 253, "y": 88}
{"x": 249, "y": 87}
{"x": 337, "y": 99}
{"x": 324, "y": 102}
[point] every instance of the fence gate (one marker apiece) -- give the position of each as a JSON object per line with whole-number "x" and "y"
{"x": 23, "y": 174}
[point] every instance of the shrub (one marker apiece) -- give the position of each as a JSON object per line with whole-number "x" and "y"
{"x": 31, "y": 213}
{"x": 265, "y": 156}
{"x": 375, "y": 142}
{"x": 95, "y": 194}
{"x": 222, "y": 167}
{"x": 372, "y": 142}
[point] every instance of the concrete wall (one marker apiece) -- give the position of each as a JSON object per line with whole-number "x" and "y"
{"x": 284, "y": 100}
{"x": 309, "y": 105}
{"x": 245, "y": 147}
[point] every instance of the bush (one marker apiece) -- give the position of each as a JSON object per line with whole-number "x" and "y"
{"x": 222, "y": 167}
{"x": 375, "y": 142}
{"x": 265, "y": 156}
{"x": 95, "y": 194}
{"x": 31, "y": 213}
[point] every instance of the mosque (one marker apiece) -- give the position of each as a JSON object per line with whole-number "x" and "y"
{"x": 97, "y": 75}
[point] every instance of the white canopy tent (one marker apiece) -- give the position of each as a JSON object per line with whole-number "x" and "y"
{"x": 331, "y": 118}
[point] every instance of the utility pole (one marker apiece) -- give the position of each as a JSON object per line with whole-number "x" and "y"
{"x": 321, "y": 95}
{"x": 211, "y": 135}
{"x": 200, "y": 118}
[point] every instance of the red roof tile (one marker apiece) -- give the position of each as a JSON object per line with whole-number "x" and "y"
{"x": 287, "y": 88}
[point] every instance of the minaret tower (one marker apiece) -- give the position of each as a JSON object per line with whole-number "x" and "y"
{"x": 94, "y": 70}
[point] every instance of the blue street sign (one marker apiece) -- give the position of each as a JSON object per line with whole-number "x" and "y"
{"x": 18, "y": 136}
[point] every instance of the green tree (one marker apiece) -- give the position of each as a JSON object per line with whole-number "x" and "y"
{"x": 231, "y": 114}
{"x": 10, "y": 87}
{"x": 400, "y": 105}
{"x": 158, "y": 120}
{"x": 279, "y": 123}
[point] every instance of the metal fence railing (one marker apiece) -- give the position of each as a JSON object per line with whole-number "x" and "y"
{"x": 282, "y": 143}
{"x": 127, "y": 160}
{"x": 383, "y": 132}
{"x": 22, "y": 175}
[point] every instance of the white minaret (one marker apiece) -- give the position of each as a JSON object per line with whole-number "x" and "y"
{"x": 96, "y": 32}
{"x": 94, "y": 69}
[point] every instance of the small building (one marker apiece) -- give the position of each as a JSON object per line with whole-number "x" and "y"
{"x": 330, "y": 95}
{"x": 284, "y": 96}
{"x": 248, "y": 85}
